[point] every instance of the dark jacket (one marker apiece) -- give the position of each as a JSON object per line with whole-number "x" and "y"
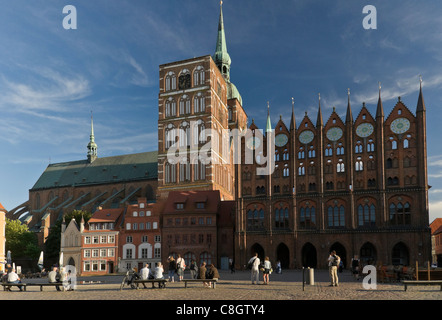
{"x": 213, "y": 273}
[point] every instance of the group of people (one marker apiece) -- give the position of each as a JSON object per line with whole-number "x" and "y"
{"x": 256, "y": 266}
{"x": 204, "y": 271}
{"x": 54, "y": 276}
{"x": 178, "y": 266}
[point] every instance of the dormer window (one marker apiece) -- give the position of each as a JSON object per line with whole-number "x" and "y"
{"x": 200, "y": 205}
{"x": 180, "y": 206}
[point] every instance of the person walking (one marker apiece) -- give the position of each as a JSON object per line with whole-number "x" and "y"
{"x": 181, "y": 266}
{"x": 193, "y": 269}
{"x": 254, "y": 263}
{"x": 333, "y": 263}
{"x": 172, "y": 268}
{"x": 266, "y": 272}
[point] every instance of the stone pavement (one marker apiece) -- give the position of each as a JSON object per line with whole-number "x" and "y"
{"x": 234, "y": 287}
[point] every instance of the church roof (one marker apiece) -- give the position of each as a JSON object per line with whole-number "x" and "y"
{"x": 130, "y": 167}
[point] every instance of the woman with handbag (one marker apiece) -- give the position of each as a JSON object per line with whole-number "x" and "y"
{"x": 267, "y": 270}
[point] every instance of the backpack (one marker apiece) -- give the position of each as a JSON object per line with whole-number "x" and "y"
{"x": 335, "y": 261}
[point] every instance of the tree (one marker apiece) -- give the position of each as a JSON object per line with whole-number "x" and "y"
{"x": 20, "y": 241}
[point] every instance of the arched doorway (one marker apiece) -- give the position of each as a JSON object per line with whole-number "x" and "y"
{"x": 309, "y": 256}
{"x": 400, "y": 255}
{"x": 283, "y": 255}
{"x": 256, "y": 248}
{"x": 340, "y": 251}
{"x": 71, "y": 262}
{"x": 368, "y": 254}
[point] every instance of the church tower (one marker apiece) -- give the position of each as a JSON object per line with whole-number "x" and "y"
{"x": 197, "y": 106}
{"x": 92, "y": 146}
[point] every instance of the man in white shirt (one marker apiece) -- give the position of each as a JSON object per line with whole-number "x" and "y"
{"x": 14, "y": 278}
{"x": 255, "y": 262}
{"x": 333, "y": 263}
{"x": 52, "y": 277}
{"x": 145, "y": 273}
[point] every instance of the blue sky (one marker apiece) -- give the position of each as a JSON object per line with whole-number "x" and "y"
{"x": 51, "y": 78}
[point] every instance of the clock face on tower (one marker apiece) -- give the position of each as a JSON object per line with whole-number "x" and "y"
{"x": 364, "y": 130}
{"x": 334, "y": 134}
{"x": 400, "y": 125}
{"x": 281, "y": 140}
{"x": 253, "y": 143}
{"x": 306, "y": 136}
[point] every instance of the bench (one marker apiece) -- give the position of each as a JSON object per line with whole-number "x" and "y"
{"x": 46, "y": 284}
{"x": 161, "y": 282}
{"x": 213, "y": 281}
{"x": 422, "y": 283}
{"x": 7, "y": 286}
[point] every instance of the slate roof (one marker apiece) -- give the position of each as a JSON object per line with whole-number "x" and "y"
{"x": 130, "y": 167}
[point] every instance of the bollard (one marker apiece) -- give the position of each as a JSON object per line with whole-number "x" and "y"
{"x": 303, "y": 279}
{"x": 311, "y": 276}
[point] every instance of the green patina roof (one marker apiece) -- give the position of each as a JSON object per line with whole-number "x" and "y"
{"x": 232, "y": 92}
{"x": 130, "y": 167}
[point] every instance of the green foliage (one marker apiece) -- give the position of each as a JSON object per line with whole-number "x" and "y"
{"x": 77, "y": 215}
{"x": 20, "y": 241}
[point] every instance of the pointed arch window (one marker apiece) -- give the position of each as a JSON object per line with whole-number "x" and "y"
{"x": 282, "y": 217}
{"x": 370, "y": 146}
{"x": 199, "y": 103}
{"x": 340, "y": 167}
{"x": 359, "y": 165}
{"x": 255, "y": 219}
{"x": 340, "y": 149}
{"x": 170, "y": 81}
{"x": 170, "y": 108}
{"x": 307, "y": 217}
{"x": 170, "y": 173}
{"x": 366, "y": 215}
{"x": 328, "y": 151}
{"x": 199, "y": 76}
{"x": 170, "y": 135}
{"x": 358, "y": 147}
{"x": 185, "y": 105}
{"x": 336, "y": 216}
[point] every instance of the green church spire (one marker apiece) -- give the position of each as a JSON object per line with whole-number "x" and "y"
{"x": 92, "y": 146}
{"x": 222, "y": 57}
{"x": 269, "y": 123}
